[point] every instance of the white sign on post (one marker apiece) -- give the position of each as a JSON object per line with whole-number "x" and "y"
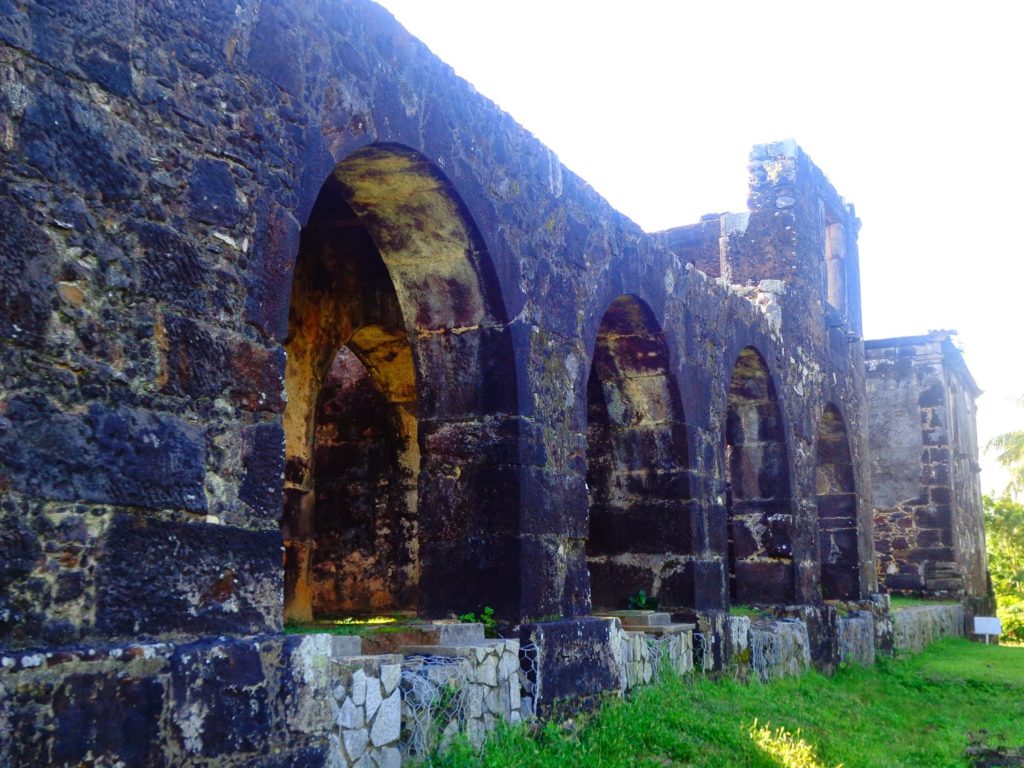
{"x": 987, "y": 625}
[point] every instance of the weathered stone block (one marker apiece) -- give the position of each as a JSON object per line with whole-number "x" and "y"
{"x": 576, "y": 660}
{"x": 107, "y": 455}
{"x": 26, "y": 274}
{"x": 197, "y": 578}
{"x": 221, "y": 703}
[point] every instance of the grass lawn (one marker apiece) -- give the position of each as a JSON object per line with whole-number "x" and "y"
{"x": 922, "y": 711}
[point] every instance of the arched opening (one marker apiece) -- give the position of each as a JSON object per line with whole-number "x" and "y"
{"x": 396, "y": 355}
{"x": 641, "y": 518}
{"x": 760, "y": 515}
{"x": 837, "y": 510}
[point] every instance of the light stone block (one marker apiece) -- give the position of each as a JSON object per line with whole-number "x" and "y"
{"x": 350, "y": 716}
{"x": 390, "y": 757}
{"x": 355, "y": 743}
{"x": 390, "y": 676}
{"x": 387, "y": 725}
{"x": 475, "y": 701}
{"x": 508, "y": 665}
{"x": 373, "y": 697}
{"x": 487, "y": 672}
{"x": 359, "y": 687}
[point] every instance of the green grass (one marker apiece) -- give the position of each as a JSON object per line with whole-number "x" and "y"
{"x": 747, "y": 610}
{"x": 921, "y": 711}
{"x": 899, "y": 601}
{"x": 352, "y": 625}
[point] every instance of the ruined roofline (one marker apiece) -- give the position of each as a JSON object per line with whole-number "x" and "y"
{"x": 784, "y": 149}
{"x": 953, "y": 356}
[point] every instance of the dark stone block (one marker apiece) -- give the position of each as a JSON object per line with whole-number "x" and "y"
{"x": 904, "y": 582}
{"x": 932, "y": 396}
{"x": 652, "y": 528}
{"x": 106, "y": 455}
{"x": 470, "y": 573}
{"x": 709, "y": 585}
{"x": 554, "y": 503}
{"x": 744, "y": 542}
{"x": 26, "y": 275}
{"x": 275, "y": 40}
{"x": 269, "y": 278}
{"x": 840, "y": 581}
{"x": 677, "y": 588}
{"x": 156, "y": 577}
{"x": 170, "y": 267}
{"x": 469, "y": 374}
{"x": 68, "y": 141}
{"x": 494, "y": 440}
{"x": 837, "y": 509}
{"x": 718, "y": 530}
{"x": 576, "y": 585}
{"x": 202, "y": 364}
{"x": 22, "y": 550}
{"x": 307, "y": 757}
{"x": 845, "y": 542}
{"x": 763, "y": 582}
{"x": 576, "y": 662}
{"x": 212, "y": 197}
{"x": 479, "y": 500}
{"x": 263, "y": 460}
{"x": 108, "y": 718}
{"x": 612, "y": 583}
{"x": 939, "y": 516}
{"x": 69, "y": 586}
{"x": 653, "y": 450}
{"x": 224, "y": 685}
{"x": 670, "y": 484}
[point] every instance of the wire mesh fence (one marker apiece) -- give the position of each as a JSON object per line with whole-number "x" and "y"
{"x": 702, "y": 658}
{"x": 529, "y": 674}
{"x": 435, "y": 693}
{"x": 765, "y": 653}
{"x": 658, "y": 650}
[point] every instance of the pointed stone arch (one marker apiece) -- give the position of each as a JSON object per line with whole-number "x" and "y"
{"x": 758, "y": 496}
{"x": 638, "y": 473}
{"x": 401, "y": 394}
{"x": 837, "y": 509}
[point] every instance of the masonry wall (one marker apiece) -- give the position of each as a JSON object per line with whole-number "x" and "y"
{"x": 929, "y": 530}
{"x": 204, "y": 204}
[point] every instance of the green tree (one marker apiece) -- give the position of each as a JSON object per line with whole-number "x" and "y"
{"x": 1010, "y": 447}
{"x": 1004, "y": 537}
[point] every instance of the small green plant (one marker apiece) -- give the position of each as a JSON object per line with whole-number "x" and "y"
{"x": 641, "y": 601}
{"x": 485, "y": 617}
{"x": 745, "y": 610}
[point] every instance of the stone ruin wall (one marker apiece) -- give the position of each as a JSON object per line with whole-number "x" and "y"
{"x": 154, "y": 199}
{"x": 929, "y": 528}
{"x": 245, "y": 243}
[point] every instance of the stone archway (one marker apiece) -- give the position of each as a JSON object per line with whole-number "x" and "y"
{"x": 397, "y": 355}
{"x": 837, "y": 509}
{"x": 641, "y": 517}
{"x": 760, "y": 514}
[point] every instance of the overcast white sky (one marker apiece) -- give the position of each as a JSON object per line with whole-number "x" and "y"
{"x": 914, "y": 110}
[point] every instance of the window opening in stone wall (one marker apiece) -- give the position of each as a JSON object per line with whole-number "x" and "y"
{"x": 641, "y": 517}
{"x": 397, "y": 356}
{"x": 837, "y": 510}
{"x": 835, "y": 265}
{"x": 759, "y": 514}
